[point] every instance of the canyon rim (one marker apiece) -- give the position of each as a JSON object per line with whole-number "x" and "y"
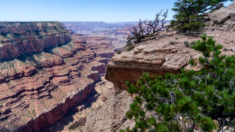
{"x": 71, "y": 76}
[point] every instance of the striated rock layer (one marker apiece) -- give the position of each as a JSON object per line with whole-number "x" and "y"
{"x": 18, "y": 38}
{"x": 44, "y": 74}
{"x": 154, "y": 56}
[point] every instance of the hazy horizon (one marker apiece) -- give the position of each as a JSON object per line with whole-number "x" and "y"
{"x": 77, "y": 21}
{"x": 83, "y": 10}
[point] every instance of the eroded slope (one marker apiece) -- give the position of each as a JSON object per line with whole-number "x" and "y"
{"x": 45, "y": 74}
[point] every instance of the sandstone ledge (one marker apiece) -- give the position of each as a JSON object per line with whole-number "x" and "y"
{"x": 158, "y": 56}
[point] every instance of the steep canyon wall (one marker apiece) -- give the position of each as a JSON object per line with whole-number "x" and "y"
{"x": 45, "y": 73}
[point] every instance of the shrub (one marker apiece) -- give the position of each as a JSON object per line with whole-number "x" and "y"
{"x": 193, "y": 43}
{"x": 129, "y": 47}
{"x": 176, "y": 38}
{"x": 119, "y": 51}
{"x": 148, "y": 28}
{"x": 172, "y": 42}
{"x": 189, "y": 100}
{"x": 186, "y": 43}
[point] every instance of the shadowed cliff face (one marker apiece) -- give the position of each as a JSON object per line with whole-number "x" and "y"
{"x": 44, "y": 73}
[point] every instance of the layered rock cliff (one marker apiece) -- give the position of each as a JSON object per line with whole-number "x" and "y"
{"x": 17, "y": 38}
{"x": 44, "y": 73}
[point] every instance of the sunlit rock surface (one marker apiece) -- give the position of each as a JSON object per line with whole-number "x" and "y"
{"x": 44, "y": 73}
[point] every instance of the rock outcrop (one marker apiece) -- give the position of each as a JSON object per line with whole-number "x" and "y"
{"x": 154, "y": 56}
{"x": 221, "y": 15}
{"x": 231, "y": 6}
{"x": 157, "y": 56}
{"x": 222, "y": 19}
{"x": 44, "y": 73}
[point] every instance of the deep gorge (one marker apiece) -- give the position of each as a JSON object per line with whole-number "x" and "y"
{"x": 45, "y": 73}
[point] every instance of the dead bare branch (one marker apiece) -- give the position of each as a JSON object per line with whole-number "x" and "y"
{"x": 148, "y": 28}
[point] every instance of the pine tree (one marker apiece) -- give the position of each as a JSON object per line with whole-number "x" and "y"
{"x": 190, "y": 100}
{"x": 188, "y": 15}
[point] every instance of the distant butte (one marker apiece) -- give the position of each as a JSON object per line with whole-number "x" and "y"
{"x": 116, "y": 32}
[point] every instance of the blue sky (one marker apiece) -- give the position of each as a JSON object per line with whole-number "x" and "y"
{"x": 82, "y": 10}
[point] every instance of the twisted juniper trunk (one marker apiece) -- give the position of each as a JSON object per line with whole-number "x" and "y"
{"x": 139, "y": 32}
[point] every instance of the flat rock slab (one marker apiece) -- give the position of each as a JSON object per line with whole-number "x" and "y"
{"x": 221, "y": 15}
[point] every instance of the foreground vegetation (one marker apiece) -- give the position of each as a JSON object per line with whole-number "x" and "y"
{"x": 190, "y": 100}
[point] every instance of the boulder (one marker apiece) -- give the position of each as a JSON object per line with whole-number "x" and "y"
{"x": 221, "y": 15}
{"x": 232, "y": 16}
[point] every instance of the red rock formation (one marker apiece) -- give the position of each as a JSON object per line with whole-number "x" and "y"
{"x": 155, "y": 58}
{"x": 57, "y": 74}
{"x": 21, "y": 38}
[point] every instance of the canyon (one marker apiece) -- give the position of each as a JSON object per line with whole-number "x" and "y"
{"x": 116, "y": 32}
{"x": 47, "y": 73}
{"x": 56, "y": 79}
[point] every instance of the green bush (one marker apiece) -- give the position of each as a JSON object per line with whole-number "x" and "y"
{"x": 176, "y": 38}
{"x": 172, "y": 42}
{"x": 186, "y": 43}
{"x": 193, "y": 43}
{"x": 129, "y": 47}
{"x": 119, "y": 51}
{"x": 189, "y": 100}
